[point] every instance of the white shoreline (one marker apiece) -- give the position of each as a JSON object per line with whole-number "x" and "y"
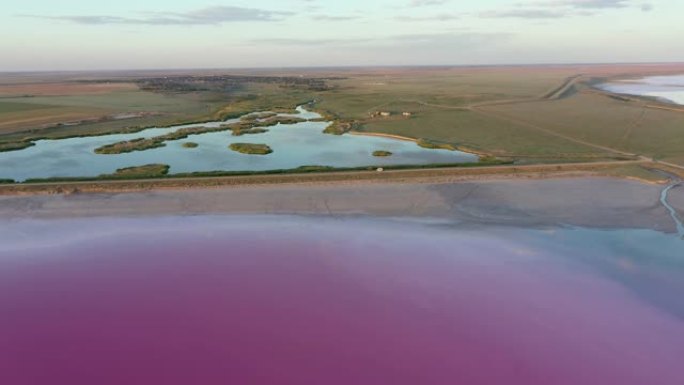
{"x": 586, "y": 202}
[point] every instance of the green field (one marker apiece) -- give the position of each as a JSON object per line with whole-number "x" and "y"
{"x": 43, "y": 116}
{"x": 122, "y": 100}
{"x": 356, "y": 97}
{"x": 468, "y": 129}
{"x": 440, "y": 103}
{"x": 8, "y": 107}
{"x": 589, "y": 116}
{"x": 509, "y": 113}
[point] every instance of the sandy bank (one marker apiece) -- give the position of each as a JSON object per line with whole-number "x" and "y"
{"x": 414, "y": 140}
{"x": 381, "y": 135}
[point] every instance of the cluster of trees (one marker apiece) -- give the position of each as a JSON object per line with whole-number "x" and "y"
{"x": 226, "y": 83}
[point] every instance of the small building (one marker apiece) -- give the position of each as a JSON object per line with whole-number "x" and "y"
{"x": 407, "y": 114}
{"x": 383, "y": 114}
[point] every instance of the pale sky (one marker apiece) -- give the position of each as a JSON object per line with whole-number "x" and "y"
{"x": 128, "y": 34}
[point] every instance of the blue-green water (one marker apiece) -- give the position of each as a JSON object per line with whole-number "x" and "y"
{"x": 302, "y": 144}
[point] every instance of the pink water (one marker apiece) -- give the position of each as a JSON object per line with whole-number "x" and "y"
{"x": 213, "y": 300}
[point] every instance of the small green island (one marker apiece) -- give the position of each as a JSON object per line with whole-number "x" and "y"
{"x": 138, "y": 144}
{"x": 146, "y": 171}
{"x": 15, "y": 146}
{"x": 381, "y": 153}
{"x": 239, "y": 131}
{"x": 258, "y": 116}
{"x": 339, "y": 127}
{"x": 190, "y": 145}
{"x": 251, "y": 148}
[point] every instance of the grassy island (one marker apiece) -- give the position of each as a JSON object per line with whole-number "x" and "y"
{"x": 238, "y": 131}
{"x": 252, "y": 126}
{"x": 430, "y": 144}
{"x": 142, "y": 144}
{"x": 279, "y": 120}
{"x": 190, "y": 145}
{"x": 381, "y": 153}
{"x": 258, "y": 116}
{"x": 139, "y": 144}
{"x": 146, "y": 171}
{"x": 251, "y": 148}
{"x": 338, "y": 128}
{"x": 15, "y": 146}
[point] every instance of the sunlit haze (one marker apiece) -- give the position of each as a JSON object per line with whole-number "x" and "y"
{"x": 127, "y": 34}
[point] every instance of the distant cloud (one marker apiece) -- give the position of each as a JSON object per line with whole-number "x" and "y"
{"x": 310, "y": 42}
{"x": 585, "y": 4}
{"x": 437, "y": 17}
{"x": 204, "y": 16}
{"x": 647, "y": 7}
{"x": 593, "y": 4}
{"x": 525, "y": 13}
{"x": 422, "y": 3}
{"x": 335, "y": 18}
{"x": 441, "y": 40}
{"x": 450, "y": 39}
{"x": 550, "y": 9}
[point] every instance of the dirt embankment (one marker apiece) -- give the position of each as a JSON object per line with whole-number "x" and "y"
{"x": 433, "y": 175}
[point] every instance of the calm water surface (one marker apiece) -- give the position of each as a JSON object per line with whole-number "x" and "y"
{"x": 290, "y": 300}
{"x": 670, "y": 88}
{"x": 296, "y": 145}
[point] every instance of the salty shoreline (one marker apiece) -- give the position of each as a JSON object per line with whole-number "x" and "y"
{"x": 578, "y": 201}
{"x": 612, "y": 87}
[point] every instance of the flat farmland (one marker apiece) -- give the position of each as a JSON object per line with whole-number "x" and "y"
{"x": 531, "y": 114}
{"x": 593, "y": 117}
{"x": 474, "y": 131}
{"x": 96, "y": 111}
{"x": 131, "y": 101}
{"x": 62, "y": 88}
{"x": 18, "y": 117}
{"x": 359, "y": 94}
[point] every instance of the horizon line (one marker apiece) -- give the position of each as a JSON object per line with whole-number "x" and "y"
{"x": 341, "y": 67}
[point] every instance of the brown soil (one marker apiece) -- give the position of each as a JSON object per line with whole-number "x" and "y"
{"x": 60, "y": 89}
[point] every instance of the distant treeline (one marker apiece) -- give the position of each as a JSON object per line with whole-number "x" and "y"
{"x": 222, "y": 83}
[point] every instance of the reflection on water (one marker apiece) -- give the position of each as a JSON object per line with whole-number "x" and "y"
{"x": 294, "y": 146}
{"x": 669, "y": 88}
{"x": 235, "y": 299}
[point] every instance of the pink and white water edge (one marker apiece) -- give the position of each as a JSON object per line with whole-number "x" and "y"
{"x": 276, "y": 299}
